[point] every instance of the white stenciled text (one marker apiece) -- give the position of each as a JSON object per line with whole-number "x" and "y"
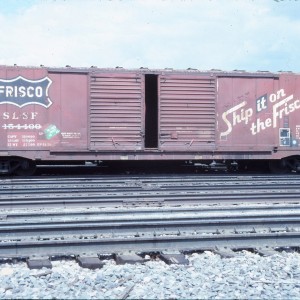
{"x": 21, "y": 91}
{"x": 282, "y": 105}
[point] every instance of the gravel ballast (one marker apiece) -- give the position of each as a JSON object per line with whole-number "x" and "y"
{"x": 246, "y": 276}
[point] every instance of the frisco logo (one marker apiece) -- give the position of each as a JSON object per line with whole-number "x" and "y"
{"x": 282, "y": 106}
{"x": 20, "y": 91}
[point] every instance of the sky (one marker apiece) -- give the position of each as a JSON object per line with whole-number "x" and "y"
{"x": 247, "y": 35}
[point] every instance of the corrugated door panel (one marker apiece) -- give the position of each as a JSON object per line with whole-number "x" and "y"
{"x": 115, "y": 112}
{"x": 187, "y": 113}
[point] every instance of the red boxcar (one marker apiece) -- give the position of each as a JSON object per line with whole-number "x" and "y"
{"x": 85, "y": 114}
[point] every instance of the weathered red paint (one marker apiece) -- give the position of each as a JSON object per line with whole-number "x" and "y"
{"x": 34, "y": 128}
{"x": 187, "y": 112}
{"x": 116, "y": 112}
{"x": 259, "y": 114}
{"x": 100, "y": 114}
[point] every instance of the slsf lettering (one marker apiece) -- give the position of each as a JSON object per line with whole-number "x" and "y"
{"x": 19, "y": 116}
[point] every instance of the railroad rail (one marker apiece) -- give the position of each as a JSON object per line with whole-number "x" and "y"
{"x": 75, "y": 215}
{"x": 145, "y": 191}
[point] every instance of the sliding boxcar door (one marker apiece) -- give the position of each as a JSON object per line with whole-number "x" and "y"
{"x": 116, "y": 112}
{"x": 187, "y": 112}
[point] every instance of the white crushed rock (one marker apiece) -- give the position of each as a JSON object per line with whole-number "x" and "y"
{"x": 208, "y": 276}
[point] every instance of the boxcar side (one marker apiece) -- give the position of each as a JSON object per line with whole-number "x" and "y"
{"x": 90, "y": 114}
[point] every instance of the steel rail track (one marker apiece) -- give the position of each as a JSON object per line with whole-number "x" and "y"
{"x": 143, "y": 191}
{"x": 184, "y": 242}
{"x": 199, "y": 210}
{"x": 145, "y": 177}
{"x": 147, "y": 199}
{"x": 160, "y": 185}
{"x": 102, "y": 215}
{"x": 142, "y": 181}
{"x": 149, "y": 230}
{"x": 141, "y": 226}
{"x": 92, "y": 188}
